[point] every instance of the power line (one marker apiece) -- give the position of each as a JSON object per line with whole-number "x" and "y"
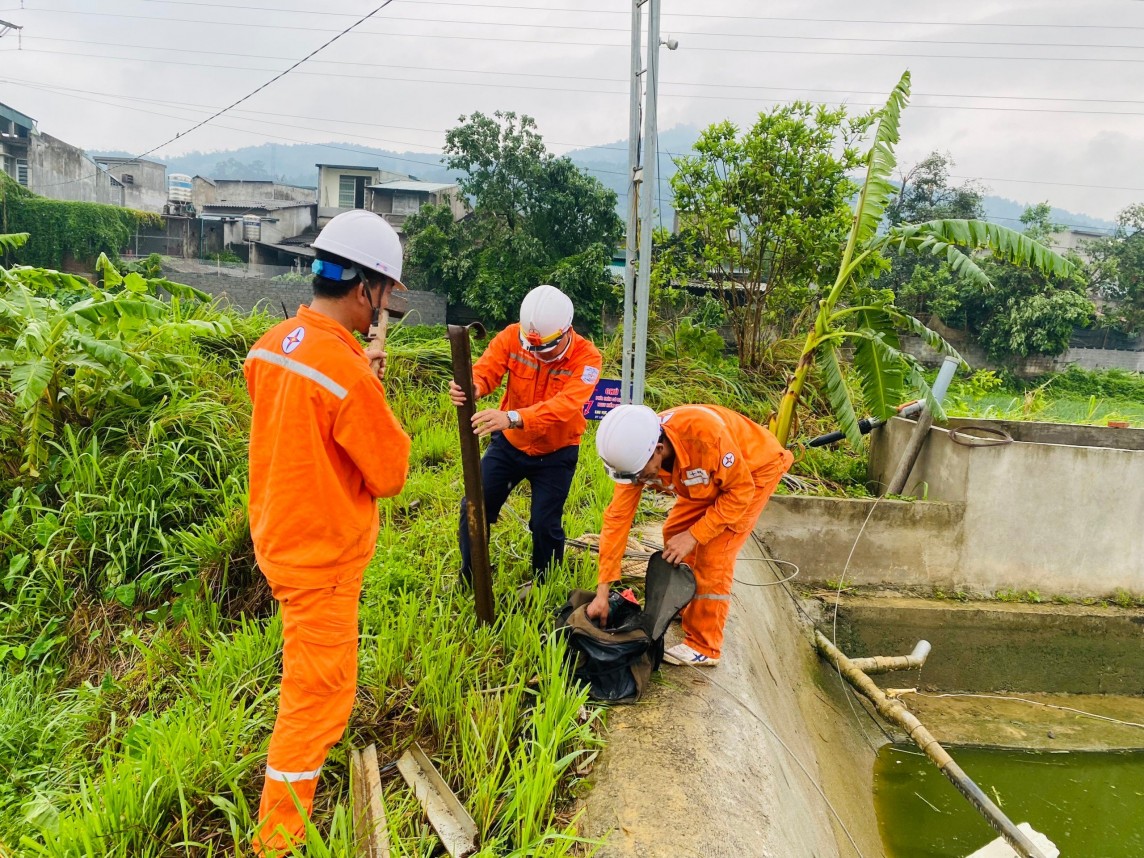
{"x": 719, "y": 49}
{"x": 703, "y": 15}
{"x": 357, "y": 150}
{"x": 64, "y": 90}
{"x": 582, "y": 91}
{"x": 546, "y": 26}
{"x": 406, "y": 66}
{"x": 250, "y": 94}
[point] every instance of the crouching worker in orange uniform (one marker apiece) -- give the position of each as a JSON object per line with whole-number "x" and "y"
{"x": 722, "y": 469}
{"x": 324, "y": 446}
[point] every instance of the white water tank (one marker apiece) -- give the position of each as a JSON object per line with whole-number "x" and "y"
{"x": 251, "y": 228}
{"x": 179, "y": 186}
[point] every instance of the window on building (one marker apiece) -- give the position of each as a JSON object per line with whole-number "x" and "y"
{"x": 351, "y": 192}
{"x": 406, "y": 204}
{"x": 127, "y": 179}
{"x": 22, "y": 171}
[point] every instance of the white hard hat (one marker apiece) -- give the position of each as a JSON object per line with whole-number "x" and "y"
{"x": 366, "y": 239}
{"x": 626, "y": 440}
{"x": 545, "y": 314}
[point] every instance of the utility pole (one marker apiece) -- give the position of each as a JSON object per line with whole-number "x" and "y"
{"x": 642, "y": 162}
{"x": 632, "y": 254}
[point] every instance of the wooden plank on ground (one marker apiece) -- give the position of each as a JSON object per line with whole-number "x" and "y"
{"x": 371, "y": 830}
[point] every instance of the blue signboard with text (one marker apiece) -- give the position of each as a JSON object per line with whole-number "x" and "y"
{"x": 605, "y": 397}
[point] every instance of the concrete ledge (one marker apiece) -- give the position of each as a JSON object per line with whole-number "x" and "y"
{"x": 904, "y": 543}
{"x": 1000, "y": 646}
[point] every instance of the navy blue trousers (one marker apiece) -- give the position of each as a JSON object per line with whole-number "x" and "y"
{"x": 550, "y": 475}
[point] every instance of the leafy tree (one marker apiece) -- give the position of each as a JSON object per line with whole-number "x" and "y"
{"x": 1119, "y": 262}
{"x": 1021, "y": 311}
{"x": 762, "y": 215}
{"x": 535, "y": 218}
{"x": 925, "y": 194}
{"x": 856, "y": 314}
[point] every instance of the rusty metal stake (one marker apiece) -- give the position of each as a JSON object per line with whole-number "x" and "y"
{"x": 459, "y": 345}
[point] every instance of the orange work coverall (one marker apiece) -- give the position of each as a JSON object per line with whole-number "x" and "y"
{"x": 324, "y": 445}
{"x": 549, "y": 397}
{"x": 726, "y": 468}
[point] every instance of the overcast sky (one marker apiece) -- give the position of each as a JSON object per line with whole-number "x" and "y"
{"x": 1057, "y": 111}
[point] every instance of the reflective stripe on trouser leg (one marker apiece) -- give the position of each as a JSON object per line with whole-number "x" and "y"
{"x": 319, "y": 679}
{"x": 714, "y": 563}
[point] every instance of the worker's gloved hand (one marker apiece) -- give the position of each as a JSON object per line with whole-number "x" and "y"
{"x": 373, "y": 354}
{"x": 598, "y": 608}
{"x": 490, "y": 420}
{"x": 678, "y": 547}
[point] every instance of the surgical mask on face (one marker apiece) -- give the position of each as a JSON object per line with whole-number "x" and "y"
{"x": 556, "y": 357}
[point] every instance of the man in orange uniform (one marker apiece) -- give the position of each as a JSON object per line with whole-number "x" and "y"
{"x": 536, "y": 430}
{"x": 324, "y": 446}
{"x": 722, "y": 469}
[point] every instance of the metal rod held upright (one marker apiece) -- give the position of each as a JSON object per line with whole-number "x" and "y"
{"x": 460, "y": 347}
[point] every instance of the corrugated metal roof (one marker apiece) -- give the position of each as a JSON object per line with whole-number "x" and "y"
{"x": 292, "y": 249}
{"x": 349, "y": 167}
{"x": 16, "y": 116}
{"x": 265, "y": 205}
{"x": 101, "y": 159}
{"x": 423, "y": 187}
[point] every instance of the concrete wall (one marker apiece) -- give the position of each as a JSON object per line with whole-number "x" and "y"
{"x": 243, "y": 189}
{"x": 147, "y": 188}
{"x": 1058, "y": 511}
{"x": 247, "y": 293}
{"x": 975, "y": 356}
{"x": 725, "y": 763}
{"x": 918, "y": 544}
{"x": 60, "y": 171}
{"x": 1001, "y": 646}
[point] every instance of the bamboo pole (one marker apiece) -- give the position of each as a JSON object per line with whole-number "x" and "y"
{"x": 896, "y": 713}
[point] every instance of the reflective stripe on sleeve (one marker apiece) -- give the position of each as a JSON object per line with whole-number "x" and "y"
{"x": 299, "y": 368}
{"x": 718, "y": 597}
{"x": 290, "y": 777}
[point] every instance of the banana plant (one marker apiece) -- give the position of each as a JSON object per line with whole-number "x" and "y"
{"x": 62, "y": 358}
{"x": 857, "y": 316}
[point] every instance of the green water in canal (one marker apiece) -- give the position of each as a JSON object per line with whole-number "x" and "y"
{"x": 1088, "y": 804}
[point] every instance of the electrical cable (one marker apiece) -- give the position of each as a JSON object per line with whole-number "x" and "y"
{"x": 774, "y": 734}
{"x": 719, "y": 49}
{"x": 775, "y": 583}
{"x": 666, "y": 14}
{"x": 550, "y": 26}
{"x": 852, "y": 692}
{"x": 617, "y": 93}
{"x": 715, "y": 85}
{"x": 1031, "y": 703}
{"x": 249, "y": 95}
{"x": 991, "y": 436}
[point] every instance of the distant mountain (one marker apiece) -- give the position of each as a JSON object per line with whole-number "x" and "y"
{"x": 296, "y": 164}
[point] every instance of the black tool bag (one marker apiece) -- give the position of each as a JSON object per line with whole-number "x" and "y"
{"x": 616, "y": 661}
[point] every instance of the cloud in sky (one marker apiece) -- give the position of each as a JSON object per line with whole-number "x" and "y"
{"x": 1053, "y": 86}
